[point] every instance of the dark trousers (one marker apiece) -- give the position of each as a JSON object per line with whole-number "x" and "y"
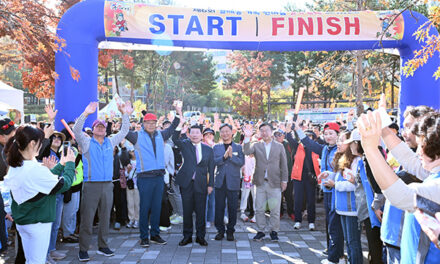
{"x": 3, "y": 236}
{"x": 165, "y": 211}
{"x": 300, "y": 188}
{"x": 375, "y": 245}
{"x": 335, "y": 232}
{"x": 288, "y": 197}
{"x": 193, "y": 202}
{"x": 150, "y": 204}
{"x": 327, "y": 207}
{"x": 19, "y": 258}
{"x": 221, "y": 194}
{"x": 120, "y": 203}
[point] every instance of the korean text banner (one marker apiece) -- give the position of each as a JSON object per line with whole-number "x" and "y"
{"x": 140, "y": 21}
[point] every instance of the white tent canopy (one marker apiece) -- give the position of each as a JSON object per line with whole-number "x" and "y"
{"x": 11, "y": 98}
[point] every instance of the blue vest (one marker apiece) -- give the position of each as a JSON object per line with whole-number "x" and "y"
{"x": 392, "y": 224}
{"x": 415, "y": 246}
{"x": 369, "y": 193}
{"x": 344, "y": 201}
{"x": 146, "y": 160}
{"x": 98, "y": 161}
{"x": 326, "y": 163}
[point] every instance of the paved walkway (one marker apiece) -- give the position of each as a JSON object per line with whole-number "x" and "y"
{"x": 302, "y": 246}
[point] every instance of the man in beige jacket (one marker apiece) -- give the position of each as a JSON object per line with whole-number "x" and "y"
{"x": 270, "y": 178}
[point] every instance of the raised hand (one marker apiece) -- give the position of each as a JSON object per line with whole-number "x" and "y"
{"x": 126, "y": 108}
{"x": 51, "y": 113}
{"x": 50, "y": 162}
{"x": 69, "y": 157}
{"x": 91, "y": 108}
{"x": 178, "y": 106}
{"x": 48, "y": 131}
{"x": 248, "y": 131}
{"x": 350, "y": 115}
{"x": 370, "y": 128}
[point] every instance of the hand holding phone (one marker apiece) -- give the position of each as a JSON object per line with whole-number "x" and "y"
{"x": 66, "y": 147}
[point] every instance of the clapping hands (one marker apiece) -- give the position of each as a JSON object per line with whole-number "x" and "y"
{"x": 50, "y": 162}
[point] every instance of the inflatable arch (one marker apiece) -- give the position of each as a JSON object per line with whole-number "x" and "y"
{"x": 89, "y": 22}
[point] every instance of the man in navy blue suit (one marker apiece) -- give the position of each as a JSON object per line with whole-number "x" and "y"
{"x": 196, "y": 180}
{"x": 228, "y": 158}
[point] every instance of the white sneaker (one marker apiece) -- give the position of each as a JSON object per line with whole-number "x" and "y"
{"x": 244, "y": 217}
{"x": 326, "y": 261}
{"x": 177, "y": 220}
{"x": 49, "y": 260}
{"x": 173, "y": 216}
{"x": 226, "y": 220}
{"x": 297, "y": 226}
{"x": 130, "y": 224}
{"x": 56, "y": 255}
{"x": 312, "y": 227}
{"x": 208, "y": 224}
{"x": 135, "y": 224}
{"x": 253, "y": 220}
{"x": 164, "y": 229}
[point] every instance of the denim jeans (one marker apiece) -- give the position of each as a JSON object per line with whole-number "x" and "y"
{"x": 57, "y": 223}
{"x": 210, "y": 206}
{"x": 336, "y": 237}
{"x": 393, "y": 255}
{"x": 69, "y": 215}
{"x": 150, "y": 195}
{"x": 352, "y": 234}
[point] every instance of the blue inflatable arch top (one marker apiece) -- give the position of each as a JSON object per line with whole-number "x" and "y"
{"x": 85, "y": 25}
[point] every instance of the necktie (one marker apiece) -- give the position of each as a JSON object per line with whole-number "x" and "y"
{"x": 197, "y": 161}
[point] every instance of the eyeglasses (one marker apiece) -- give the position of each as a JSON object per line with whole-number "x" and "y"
{"x": 8, "y": 125}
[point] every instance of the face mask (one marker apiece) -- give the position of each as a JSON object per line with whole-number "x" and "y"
{"x": 133, "y": 162}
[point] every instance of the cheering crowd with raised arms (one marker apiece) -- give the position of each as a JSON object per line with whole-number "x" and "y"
{"x": 152, "y": 173}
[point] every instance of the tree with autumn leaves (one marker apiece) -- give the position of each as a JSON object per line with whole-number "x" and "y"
{"x": 29, "y": 41}
{"x": 250, "y": 82}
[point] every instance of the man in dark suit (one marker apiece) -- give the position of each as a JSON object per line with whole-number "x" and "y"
{"x": 228, "y": 158}
{"x": 196, "y": 180}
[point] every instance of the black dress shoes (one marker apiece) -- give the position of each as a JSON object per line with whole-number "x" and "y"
{"x": 230, "y": 237}
{"x": 219, "y": 236}
{"x": 185, "y": 241}
{"x": 201, "y": 241}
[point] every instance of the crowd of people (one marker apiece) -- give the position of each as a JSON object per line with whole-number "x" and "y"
{"x": 152, "y": 173}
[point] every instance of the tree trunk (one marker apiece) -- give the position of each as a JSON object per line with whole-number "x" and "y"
{"x": 359, "y": 88}
{"x": 392, "y": 83}
{"x": 359, "y": 84}
{"x": 115, "y": 74}
{"x": 106, "y": 84}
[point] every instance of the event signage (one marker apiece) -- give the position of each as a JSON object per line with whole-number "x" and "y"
{"x": 141, "y": 21}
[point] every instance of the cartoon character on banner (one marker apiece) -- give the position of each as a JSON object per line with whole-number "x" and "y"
{"x": 394, "y": 31}
{"x": 121, "y": 23}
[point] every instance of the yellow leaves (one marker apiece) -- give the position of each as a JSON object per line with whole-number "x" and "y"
{"x": 437, "y": 73}
{"x": 40, "y": 47}
{"x": 305, "y": 71}
{"x": 74, "y": 73}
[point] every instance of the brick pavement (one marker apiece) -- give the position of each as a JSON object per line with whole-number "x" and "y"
{"x": 302, "y": 246}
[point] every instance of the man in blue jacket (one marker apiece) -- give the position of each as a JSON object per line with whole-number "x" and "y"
{"x": 97, "y": 158}
{"x": 228, "y": 158}
{"x": 150, "y": 169}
